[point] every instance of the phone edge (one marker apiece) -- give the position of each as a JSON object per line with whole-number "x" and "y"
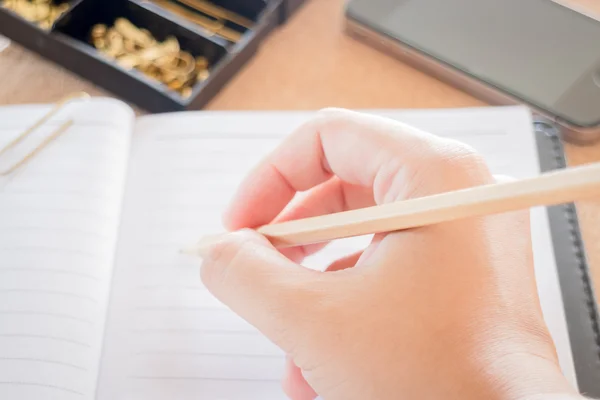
{"x": 460, "y": 80}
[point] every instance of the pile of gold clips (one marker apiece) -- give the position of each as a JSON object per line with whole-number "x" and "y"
{"x": 165, "y": 62}
{"x": 41, "y": 12}
{"x": 210, "y": 17}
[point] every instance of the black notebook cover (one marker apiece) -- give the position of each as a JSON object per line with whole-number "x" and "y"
{"x": 576, "y": 283}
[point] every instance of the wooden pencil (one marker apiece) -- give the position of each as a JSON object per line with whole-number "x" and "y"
{"x": 552, "y": 188}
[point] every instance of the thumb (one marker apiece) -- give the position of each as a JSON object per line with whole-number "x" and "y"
{"x": 280, "y": 298}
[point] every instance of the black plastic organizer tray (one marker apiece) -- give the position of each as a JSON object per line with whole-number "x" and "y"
{"x": 67, "y": 43}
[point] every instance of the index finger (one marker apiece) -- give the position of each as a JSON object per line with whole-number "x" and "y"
{"x": 360, "y": 149}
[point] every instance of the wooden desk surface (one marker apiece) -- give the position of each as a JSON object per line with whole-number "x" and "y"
{"x": 308, "y": 64}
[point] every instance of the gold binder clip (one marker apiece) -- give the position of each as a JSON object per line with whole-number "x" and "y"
{"x": 61, "y": 129}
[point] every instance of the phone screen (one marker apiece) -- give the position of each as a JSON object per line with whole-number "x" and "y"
{"x": 537, "y": 50}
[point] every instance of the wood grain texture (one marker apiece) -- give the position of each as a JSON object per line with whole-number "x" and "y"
{"x": 307, "y": 64}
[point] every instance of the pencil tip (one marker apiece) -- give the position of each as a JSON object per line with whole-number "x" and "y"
{"x": 200, "y": 248}
{"x": 189, "y": 250}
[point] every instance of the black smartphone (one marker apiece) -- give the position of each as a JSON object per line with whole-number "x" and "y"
{"x": 534, "y": 52}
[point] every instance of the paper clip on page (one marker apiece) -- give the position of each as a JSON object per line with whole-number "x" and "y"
{"x": 47, "y": 140}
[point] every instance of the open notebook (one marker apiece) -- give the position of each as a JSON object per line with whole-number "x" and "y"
{"x": 96, "y": 302}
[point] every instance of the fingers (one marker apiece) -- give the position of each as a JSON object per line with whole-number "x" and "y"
{"x": 258, "y": 283}
{"x": 332, "y": 196}
{"x": 294, "y": 384}
{"x": 393, "y": 159}
{"x": 299, "y": 253}
{"x": 345, "y": 262}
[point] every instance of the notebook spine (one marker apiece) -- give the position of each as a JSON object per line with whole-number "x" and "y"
{"x": 579, "y": 249}
{"x": 576, "y": 282}
{"x": 586, "y": 280}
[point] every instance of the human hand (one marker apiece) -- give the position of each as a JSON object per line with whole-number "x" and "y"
{"x": 444, "y": 311}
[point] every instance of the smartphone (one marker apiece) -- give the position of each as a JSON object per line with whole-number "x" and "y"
{"x": 504, "y": 52}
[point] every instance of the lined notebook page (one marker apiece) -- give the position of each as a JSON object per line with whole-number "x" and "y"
{"x": 59, "y": 217}
{"x": 167, "y": 337}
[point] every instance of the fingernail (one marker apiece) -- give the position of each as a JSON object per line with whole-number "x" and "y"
{"x": 203, "y": 247}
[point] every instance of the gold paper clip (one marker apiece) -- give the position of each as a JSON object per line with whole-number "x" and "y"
{"x": 217, "y": 12}
{"x": 212, "y": 26}
{"x": 61, "y": 129}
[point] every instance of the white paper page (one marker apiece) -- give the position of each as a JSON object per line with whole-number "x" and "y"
{"x": 167, "y": 337}
{"x": 59, "y": 217}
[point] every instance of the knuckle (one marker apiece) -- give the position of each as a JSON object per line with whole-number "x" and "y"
{"x": 461, "y": 160}
{"x": 331, "y": 113}
{"x": 333, "y": 118}
{"x": 448, "y": 165}
{"x": 461, "y": 155}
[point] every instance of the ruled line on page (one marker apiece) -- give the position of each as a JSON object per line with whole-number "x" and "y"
{"x": 201, "y": 378}
{"x": 206, "y": 353}
{"x": 177, "y": 308}
{"x": 188, "y": 331}
{"x": 77, "y": 274}
{"x": 93, "y": 194}
{"x": 172, "y": 286}
{"x": 47, "y": 314}
{"x": 20, "y": 205}
{"x": 72, "y": 252}
{"x": 79, "y": 174}
{"x": 54, "y": 258}
{"x": 42, "y": 385}
{"x": 55, "y": 123}
{"x": 77, "y": 232}
{"x": 165, "y": 266}
{"x": 51, "y": 293}
{"x": 44, "y": 337}
{"x": 43, "y": 361}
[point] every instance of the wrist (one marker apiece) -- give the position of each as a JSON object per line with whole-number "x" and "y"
{"x": 537, "y": 378}
{"x": 534, "y": 374}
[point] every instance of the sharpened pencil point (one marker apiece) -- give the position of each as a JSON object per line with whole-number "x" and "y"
{"x": 189, "y": 250}
{"x": 200, "y": 248}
